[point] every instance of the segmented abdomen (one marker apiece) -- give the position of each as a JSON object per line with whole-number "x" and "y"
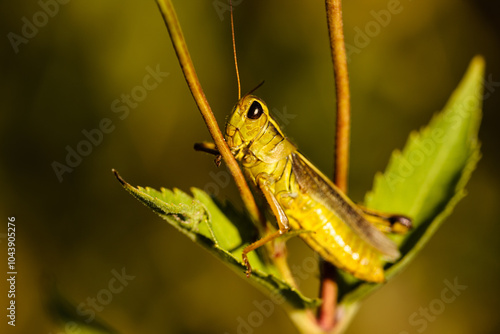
{"x": 332, "y": 238}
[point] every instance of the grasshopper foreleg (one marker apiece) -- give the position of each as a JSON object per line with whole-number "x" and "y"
{"x": 209, "y": 148}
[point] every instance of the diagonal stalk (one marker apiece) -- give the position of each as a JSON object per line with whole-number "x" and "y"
{"x": 170, "y": 17}
{"x": 303, "y": 319}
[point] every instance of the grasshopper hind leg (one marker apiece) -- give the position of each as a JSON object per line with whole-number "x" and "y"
{"x": 263, "y": 181}
{"x": 386, "y": 222}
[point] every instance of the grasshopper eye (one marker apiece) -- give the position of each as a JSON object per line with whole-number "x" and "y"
{"x": 255, "y": 110}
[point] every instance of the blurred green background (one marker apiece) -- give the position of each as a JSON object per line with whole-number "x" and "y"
{"x": 72, "y": 233}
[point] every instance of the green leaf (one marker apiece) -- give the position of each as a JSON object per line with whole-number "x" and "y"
{"x": 207, "y": 223}
{"x": 427, "y": 179}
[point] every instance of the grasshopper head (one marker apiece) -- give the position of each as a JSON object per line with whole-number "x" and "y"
{"x": 248, "y": 121}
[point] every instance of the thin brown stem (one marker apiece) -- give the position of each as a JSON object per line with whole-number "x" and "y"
{"x": 187, "y": 66}
{"x": 328, "y": 294}
{"x": 335, "y": 29}
{"x": 329, "y": 287}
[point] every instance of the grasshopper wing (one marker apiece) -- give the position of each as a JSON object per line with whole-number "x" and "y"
{"x": 321, "y": 189}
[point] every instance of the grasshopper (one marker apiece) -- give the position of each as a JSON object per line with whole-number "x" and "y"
{"x": 301, "y": 198}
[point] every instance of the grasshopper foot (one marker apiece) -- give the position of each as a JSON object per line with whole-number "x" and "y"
{"x": 248, "y": 272}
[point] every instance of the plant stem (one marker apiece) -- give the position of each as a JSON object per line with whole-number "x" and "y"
{"x": 304, "y": 321}
{"x": 329, "y": 287}
{"x": 328, "y": 294}
{"x": 335, "y": 30}
{"x": 179, "y": 43}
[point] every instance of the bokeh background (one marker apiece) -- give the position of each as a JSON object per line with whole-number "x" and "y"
{"x": 72, "y": 234}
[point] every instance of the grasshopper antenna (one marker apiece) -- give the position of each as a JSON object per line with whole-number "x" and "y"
{"x": 234, "y": 51}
